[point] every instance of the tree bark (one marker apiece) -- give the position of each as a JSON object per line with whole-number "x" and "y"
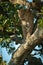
{"x": 30, "y": 39}
{"x": 27, "y": 23}
{"x": 27, "y": 46}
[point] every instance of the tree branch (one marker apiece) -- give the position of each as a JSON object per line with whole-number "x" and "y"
{"x": 27, "y": 46}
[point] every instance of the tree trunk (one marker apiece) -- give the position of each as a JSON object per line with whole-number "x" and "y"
{"x": 30, "y": 39}
{"x": 27, "y": 46}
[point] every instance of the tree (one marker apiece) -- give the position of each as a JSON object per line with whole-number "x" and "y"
{"x": 22, "y": 19}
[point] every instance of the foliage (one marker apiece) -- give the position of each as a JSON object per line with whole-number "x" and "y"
{"x": 9, "y": 21}
{"x": 2, "y": 62}
{"x": 40, "y": 21}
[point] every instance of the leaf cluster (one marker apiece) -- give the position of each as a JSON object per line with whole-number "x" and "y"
{"x": 40, "y": 21}
{"x": 9, "y": 21}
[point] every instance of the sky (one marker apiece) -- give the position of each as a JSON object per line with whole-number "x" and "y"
{"x": 30, "y": 0}
{"x": 7, "y": 57}
{"x": 4, "y": 52}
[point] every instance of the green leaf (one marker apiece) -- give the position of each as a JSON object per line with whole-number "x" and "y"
{"x": 40, "y": 23}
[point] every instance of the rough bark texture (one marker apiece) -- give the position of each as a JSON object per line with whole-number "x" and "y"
{"x": 30, "y": 40}
{"x": 28, "y": 45}
{"x": 27, "y": 24}
{"x": 34, "y": 61}
{"x": 21, "y": 2}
